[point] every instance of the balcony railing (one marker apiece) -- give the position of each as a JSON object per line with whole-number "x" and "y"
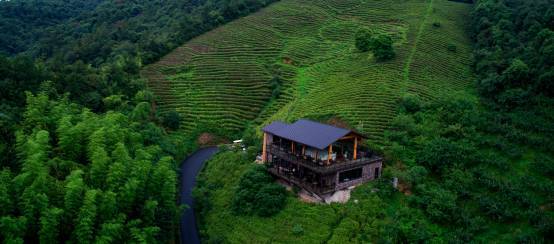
{"x": 320, "y": 166}
{"x": 309, "y": 186}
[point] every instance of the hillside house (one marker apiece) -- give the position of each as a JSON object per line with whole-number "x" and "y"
{"x": 317, "y": 157}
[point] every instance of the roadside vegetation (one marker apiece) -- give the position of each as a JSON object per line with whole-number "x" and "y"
{"x": 257, "y": 193}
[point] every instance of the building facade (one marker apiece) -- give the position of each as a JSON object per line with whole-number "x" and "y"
{"x": 317, "y": 157}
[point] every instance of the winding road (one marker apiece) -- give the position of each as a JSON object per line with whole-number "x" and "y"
{"x": 189, "y": 169}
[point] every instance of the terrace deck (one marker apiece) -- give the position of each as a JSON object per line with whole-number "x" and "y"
{"x": 320, "y": 166}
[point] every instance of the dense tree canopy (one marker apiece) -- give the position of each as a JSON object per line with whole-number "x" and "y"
{"x": 93, "y": 50}
{"x": 454, "y": 162}
{"x": 363, "y": 40}
{"x": 99, "y": 31}
{"x": 82, "y": 156}
{"x": 380, "y": 44}
{"x": 24, "y": 21}
{"x": 514, "y": 50}
{"x": 258, "y": 194}
{"x": 86, "y": 177}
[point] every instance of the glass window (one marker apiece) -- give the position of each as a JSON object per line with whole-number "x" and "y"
{"x": 350, "y": 175}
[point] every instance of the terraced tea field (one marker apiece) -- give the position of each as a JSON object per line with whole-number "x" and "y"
{"x": 224, "y": 75}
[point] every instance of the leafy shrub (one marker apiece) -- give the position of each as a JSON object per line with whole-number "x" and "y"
{"x": 215, "y": 238}
{"x": 416, "y": 174}
{"x": 459, "y": 181}
{"x": 171, "y": 120}
{"x": 442, "y": 153}
{"x": 496, "y": 207}
{"x": 382, "y": 49}
{"x": 451, "y": 47}
{"x": 379, "y": 44}
{"x": 363, "y": 40}
{"x": 258, "y": 194}
{"x": 270, "y": 199}
{"x": 410, "y": 103}
{"x": 251, "y": 153}
{"x": 297, "y": 230}
{"x": 545, "y": 165}
{"x": 514, "y": 152}
{"x": 439, "y": 203}
{"x": 276, "y": 83}
{"x": 384, "y": 184}
{"x": 408, "y": 226}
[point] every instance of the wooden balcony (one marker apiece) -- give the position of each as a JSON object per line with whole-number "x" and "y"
{"x": 320, "y": 166}
{"x": 313, "y": 187}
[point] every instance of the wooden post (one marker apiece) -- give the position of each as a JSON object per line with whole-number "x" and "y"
{"x": 329, "y": 154}
{"x": 264, "y": 149}
{"x": 292, "y": 146}
{"x": 303, "y": 150}
{"x": 355, "y": 147}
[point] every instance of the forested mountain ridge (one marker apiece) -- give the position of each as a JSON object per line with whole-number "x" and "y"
{"x": 98, "y": 31}
{"x": 24, "y": 22}
{"x": 514, "y": 51}
{"x": 95, "y": 50}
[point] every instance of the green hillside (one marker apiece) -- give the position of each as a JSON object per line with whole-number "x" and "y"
{"x": 297, "y": 58}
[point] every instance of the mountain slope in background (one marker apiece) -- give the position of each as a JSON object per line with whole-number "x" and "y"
{"x": 25, "y": 21}
{"x": 297, "y": 59}
{"x": 98, "y": 31}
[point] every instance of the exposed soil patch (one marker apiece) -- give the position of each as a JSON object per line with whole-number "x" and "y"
{"x": 404, "y": 188}
{"x": 338, "y": 123}
{"x": 206, "y": 139}
{"x": 287, "y": 60}
{"x": 199, "y": 48}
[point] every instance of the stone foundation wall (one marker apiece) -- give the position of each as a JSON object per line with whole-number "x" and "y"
{"x": 368, "y": 173}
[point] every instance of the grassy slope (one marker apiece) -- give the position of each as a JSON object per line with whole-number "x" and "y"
{"x": 223, "y": 76}
{"x": 318, "y": 222}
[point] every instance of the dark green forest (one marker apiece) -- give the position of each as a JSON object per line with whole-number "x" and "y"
{"x": 84, "y": 154}
{"x": 23, "y": 22}
{"x": 474, "y": 166}
{"x": 514, "y": 51}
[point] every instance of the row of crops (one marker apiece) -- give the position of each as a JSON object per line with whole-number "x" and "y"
{"x": 225, "y": 76}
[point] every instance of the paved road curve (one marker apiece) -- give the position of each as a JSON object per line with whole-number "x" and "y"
{"x": 189, "y": 169}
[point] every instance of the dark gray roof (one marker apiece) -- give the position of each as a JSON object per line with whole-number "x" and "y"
{"x": 275, "y": 126}
{"x": 307, "y": 132}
